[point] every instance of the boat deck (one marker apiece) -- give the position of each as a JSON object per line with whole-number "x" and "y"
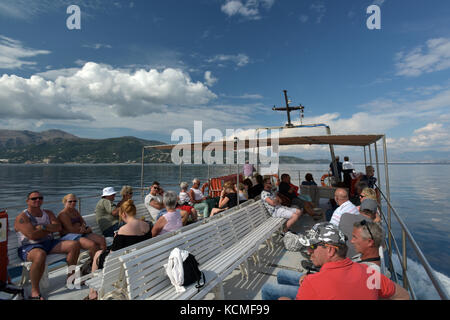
{"x": 235, "y": 286}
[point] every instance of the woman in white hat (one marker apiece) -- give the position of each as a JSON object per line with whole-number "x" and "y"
{"x": 107, "y": 213}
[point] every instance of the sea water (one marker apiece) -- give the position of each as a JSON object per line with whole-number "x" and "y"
{"x": 418, "y": 193}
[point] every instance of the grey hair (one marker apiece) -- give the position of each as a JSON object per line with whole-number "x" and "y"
{"x": 184, "y": 185}
{"x": 196, "y": 180}
{"x": 375, "y": 228}
{"x": 170, "y": 199}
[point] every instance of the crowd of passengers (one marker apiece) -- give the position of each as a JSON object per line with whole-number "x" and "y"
{"x": 356, "y": 219}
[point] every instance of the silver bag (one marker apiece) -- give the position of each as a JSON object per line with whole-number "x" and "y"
{"x": 291, "y": 242}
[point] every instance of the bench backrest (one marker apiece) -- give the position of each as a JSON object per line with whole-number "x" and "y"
{"x": 143, "y": 269}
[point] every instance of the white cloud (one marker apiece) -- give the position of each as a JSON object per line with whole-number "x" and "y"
{"x": 209, "y": 79}
{"x": 95, "y": 90}
{"x": 320, "y": 9}
{"x": 250, "y": 9}
{"x": 240, "y": 59}
{"x": 97, "y": 46}
{"x": 303, "y": 18}
{"x": 12, "y": 53}
{"x": 435, "y": 57}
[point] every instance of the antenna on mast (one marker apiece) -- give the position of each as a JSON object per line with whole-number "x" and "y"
{"x": 288, "y": 110}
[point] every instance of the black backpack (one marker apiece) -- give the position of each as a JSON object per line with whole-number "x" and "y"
{"x": 192, "y": 273}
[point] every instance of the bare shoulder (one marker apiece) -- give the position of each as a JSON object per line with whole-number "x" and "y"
{"x": 21, "y": 219}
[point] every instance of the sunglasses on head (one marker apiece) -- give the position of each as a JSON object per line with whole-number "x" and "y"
{"x": 37, "y": 198}
{"x": 364, "y": 223}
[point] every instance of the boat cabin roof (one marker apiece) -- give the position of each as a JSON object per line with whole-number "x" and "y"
{"x": 344, "y": 140}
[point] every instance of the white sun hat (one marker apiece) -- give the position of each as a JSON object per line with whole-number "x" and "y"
{"x": 108, "y": 191}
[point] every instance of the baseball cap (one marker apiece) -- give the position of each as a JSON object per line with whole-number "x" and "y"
{"x": 369, "y": 204}
{"x": 323, "y": 232}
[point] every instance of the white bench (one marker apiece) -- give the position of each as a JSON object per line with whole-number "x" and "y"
{"x": 220, "y": 246}
{"x": 105, "y": 281}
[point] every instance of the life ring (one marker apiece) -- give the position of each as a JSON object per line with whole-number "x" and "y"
{"x": 322, "y": 179}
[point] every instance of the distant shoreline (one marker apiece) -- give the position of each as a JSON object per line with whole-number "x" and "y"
{"x": 224, "y": 164}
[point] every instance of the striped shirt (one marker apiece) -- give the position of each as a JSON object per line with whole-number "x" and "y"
{"x": 346, "y": 207}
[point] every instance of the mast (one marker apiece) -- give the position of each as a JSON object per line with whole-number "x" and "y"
{"x": 289, "y": 109}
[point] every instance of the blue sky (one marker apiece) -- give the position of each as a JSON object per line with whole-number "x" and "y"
{"x": 145, "y": 68}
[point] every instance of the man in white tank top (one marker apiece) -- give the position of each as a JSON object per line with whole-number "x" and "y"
{"x": 35, "y": 228}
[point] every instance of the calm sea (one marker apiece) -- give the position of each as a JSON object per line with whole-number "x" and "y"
{"x": 417, "y": 193}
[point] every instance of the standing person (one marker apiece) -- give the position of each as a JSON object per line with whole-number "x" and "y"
{"x": 154, "y": 200}
{"x": 248, "y": 170}
{"x": 198, "y": 199}
{"x": 339, "y": 168}
{"x": 273, "y": 205}
{"x": 347, "y": 169}
{"x": 75, "y": 228}
{"x": 171, "y": 220}
{"x": 35, "y": 228}
{"x": 133, "y": 231}
{"x": 107, "y": 213}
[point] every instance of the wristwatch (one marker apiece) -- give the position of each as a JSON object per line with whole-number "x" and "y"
{"x": 43, "y": 227}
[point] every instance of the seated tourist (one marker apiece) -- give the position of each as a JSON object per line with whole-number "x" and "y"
{"x": 290, "y": 192}
{"x": 73, "y": 227}
{"x": 368, "y": 193}
{"x": 107, "y": 213}
{"x": 309, "y": 180}
{"x": 359, "y": 187}
{"x": 185, "y": 205}
{"x": 273, "y": 205}
{"x": 133, "y": 231}
{"x": 256, "y": 189}
{"x": 243, "y": 195}
{"x": 127, "y": 194}
{"x": 228, "y": 198}
{"x": 154, "y": 200}
{"x": 367, "y": 212}
{"x": 367, "y": 237}
{"x": 198, "y": 199}
{"x": 171, "y": 220}
{"x": 344, "y": 206}
{"x": 35, "y": 228}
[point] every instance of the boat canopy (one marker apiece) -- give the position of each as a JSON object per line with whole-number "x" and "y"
{"x": 344, "y": 140}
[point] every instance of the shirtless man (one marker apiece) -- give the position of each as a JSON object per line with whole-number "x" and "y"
{"x": 35, "y": 228}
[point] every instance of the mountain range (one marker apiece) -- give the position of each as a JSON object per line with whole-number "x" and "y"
{"x": 56, "y": 146}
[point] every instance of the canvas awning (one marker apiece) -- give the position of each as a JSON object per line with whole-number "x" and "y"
{"x": 342, "y": 140}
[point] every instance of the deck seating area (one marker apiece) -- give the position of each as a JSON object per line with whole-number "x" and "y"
{"x": 220, "y": 246}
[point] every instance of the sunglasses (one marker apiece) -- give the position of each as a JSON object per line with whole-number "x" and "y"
{"x": 361, "y": 196}
{"x": 364, "y": 223}
{"x": 72, "y": 201}
{"x": 321, "y": 244}
{"x": 37, "y": 198}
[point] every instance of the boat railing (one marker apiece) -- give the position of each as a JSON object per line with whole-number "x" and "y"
{"x": 402, "y": 255}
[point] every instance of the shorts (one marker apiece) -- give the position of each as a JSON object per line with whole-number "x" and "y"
{"x": 283, "y": 212}
{"x": 72, "y": 236}
{"x": 186, "y": 208}
{"x": 46, "y": 245}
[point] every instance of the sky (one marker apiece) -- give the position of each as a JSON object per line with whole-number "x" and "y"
{"x": 146, "y": 68}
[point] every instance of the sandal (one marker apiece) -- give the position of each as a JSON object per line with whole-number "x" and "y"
{"x": 39, "y": 297}
{"x": 88, "y": 298}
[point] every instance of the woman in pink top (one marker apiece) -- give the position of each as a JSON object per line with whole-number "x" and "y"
{"x": 170, "y": 221}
